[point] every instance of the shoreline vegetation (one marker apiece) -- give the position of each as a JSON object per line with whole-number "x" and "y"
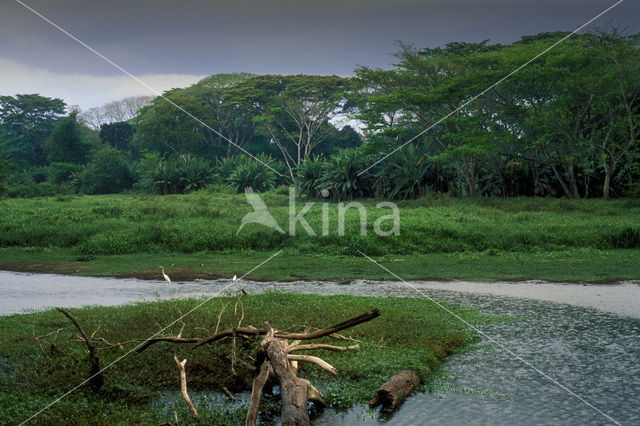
{"x": 41, "y": 360}
{"x": 441, "y": 238}
{"x": 587, "y": 267}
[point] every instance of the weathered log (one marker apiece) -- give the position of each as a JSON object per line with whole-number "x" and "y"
{"x": 183, "y": 385}
{"x": 351, "y": 322}
{"x": 95, "y": 372}
{"x": 294, "y": 391}
{"x": 256, "y": 394}
{"x": 228, "y": 393}
{"x": 395, "y": 390}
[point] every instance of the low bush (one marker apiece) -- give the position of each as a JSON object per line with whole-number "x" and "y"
{"x": 310, "y": 176}
{"x": 341, "y": 175}
{"x": 177, "y": 175}
{"x": 107, "y": 173}
{"x": 406, "y": 175}
{"x": 252, "y": 174}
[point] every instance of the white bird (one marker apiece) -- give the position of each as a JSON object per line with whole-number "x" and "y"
{"x": 235, "y": 277}
{"x": 166, "y": 277}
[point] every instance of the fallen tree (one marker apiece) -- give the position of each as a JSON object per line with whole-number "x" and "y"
{"x": 275, "y": 360}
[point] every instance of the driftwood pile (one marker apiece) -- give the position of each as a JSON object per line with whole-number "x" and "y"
{"x": 276, "y": 360}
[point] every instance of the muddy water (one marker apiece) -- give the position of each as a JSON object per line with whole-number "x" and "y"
{"x": 585, "y": 337}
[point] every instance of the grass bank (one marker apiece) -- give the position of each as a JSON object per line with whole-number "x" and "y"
{"x": 144, "y": 388}
{"x": 443, "y": 238}
{"x": 571, "y": 265}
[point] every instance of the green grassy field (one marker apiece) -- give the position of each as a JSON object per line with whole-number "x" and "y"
{"x": 144, "y": 388}
{"x": 578, "y": 265}
{"x": 442, "y": 238}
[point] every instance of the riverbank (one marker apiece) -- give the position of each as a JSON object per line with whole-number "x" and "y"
{"x": 196, "y": 236}
{"x": 574, "y": 265}
{"x": 410, "y": 333}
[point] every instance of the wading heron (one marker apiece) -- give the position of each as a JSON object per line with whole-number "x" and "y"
{"x": 166, "y": 277}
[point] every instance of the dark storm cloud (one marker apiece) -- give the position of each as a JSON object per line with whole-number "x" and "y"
{"x": 270, "y": 36}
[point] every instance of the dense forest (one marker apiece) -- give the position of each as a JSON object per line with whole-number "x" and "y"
{"x": 567, "y": 125}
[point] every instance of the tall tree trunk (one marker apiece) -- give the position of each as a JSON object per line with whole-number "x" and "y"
{"x": 609, "y": 169}
{"x": 607, "y": 184}
{"x": 471, "y": 186}
{"x": 469, "y": 173}
{"x": 563, "y": 184}
{"x": 573, "y": 182}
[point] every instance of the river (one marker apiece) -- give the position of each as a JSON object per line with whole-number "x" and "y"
{"x": 587, "y": 338}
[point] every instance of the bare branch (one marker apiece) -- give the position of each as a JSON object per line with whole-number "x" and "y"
{"x": 315, "y": 346}
{"x": 171, "y": 339}
{"x": 183, "y": 385}
{"x": 367, "y": 316}
{"x": 314, "y": 359}
{"x": 95, "y": 373}
{"x": 256, "y": 394}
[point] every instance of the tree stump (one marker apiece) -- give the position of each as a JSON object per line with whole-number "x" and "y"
{"x": 294, "y": 391}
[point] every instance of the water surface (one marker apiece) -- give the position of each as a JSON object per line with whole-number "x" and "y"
{"x": 585, "y": 337}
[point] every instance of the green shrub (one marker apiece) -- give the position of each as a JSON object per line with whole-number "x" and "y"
{"x": 177, "y": 175}
{"x": 310, "y": 175}
{"x": 405, "y": 176}
{"x": 63, "y": 172}
{"x": 252, "y": 174}
{"x": 5, "y": 171}
{"x": 144, "y": 169}
{"x": 341, "y": 175}
{"x": 107, "y": 173}
{"x": 226, "y": 166}
{"x": 193, "y": 173}
{"x": 283, "y": 176}
{"x": 42, "y": 189}
{"x": 38, "y": 174}
{"x": 165, "y": 177}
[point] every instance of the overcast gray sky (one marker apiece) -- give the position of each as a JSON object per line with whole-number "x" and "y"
{"x": 171, "y": 43}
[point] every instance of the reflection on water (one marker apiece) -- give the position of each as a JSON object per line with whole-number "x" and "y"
{"x": 588, "y": 338}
